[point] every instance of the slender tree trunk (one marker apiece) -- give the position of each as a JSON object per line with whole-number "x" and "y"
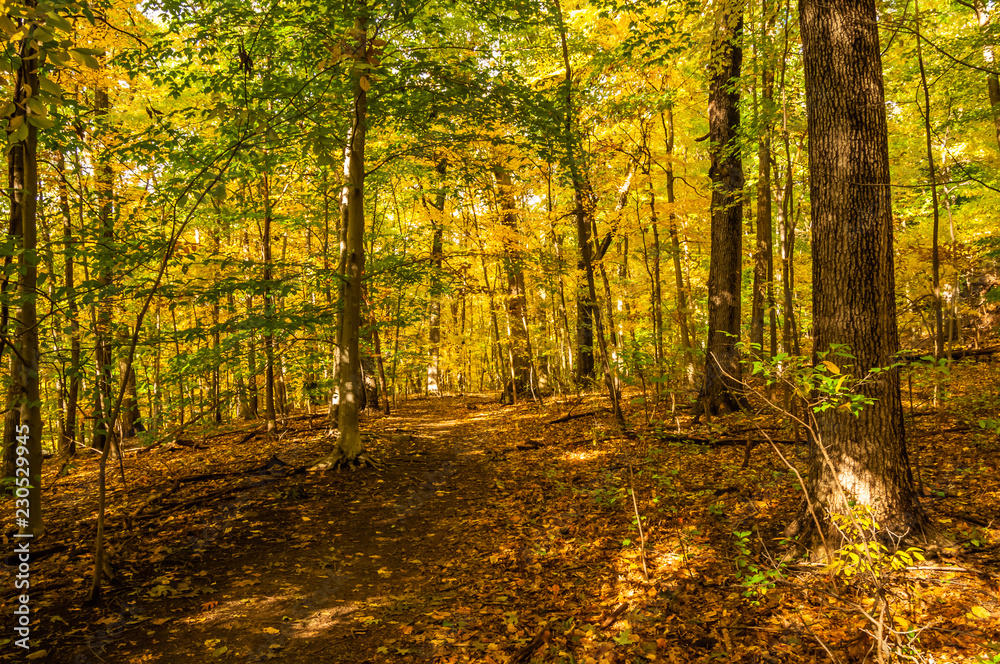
{"x": 563, "y": 317}
{"x": 722, "y": 390}
{"x": 437, "y": 260}
{"x": 584, "y": 196}
{"x": 67, "y": 438}
{"x": 992, "y": 82}
{"x": 350, "y": 447}
{"x": 24, "y": 439}
{"x": 383, "y": 385}
{"x": 656, "y": 294}
{"x": 216, "y": 343}
{"x": 935, "y": 254}
{"x": 786, "y": 222}
{"x": 270, "y": 412}
{"x": 513, "y": 266}
{"x": 126, "y": 420}
{"x": 858, "y": 462}
{"x": 763, "y": 276}
{"x": 105, "y": 273}
{"x": 687, "y": 339}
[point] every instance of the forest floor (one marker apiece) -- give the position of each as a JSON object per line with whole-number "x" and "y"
{"x": 500, "y": 534}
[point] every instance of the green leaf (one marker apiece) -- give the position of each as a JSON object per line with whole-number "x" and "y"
{"x": 50, "y": 86}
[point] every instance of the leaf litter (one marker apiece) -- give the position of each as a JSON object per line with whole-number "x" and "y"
{"x": 494, "y": 535}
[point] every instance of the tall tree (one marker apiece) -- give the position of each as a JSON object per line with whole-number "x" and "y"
{"x": 350, "y": 448}
{"x": 436, "y": 211}
{"x": 520, "y": 361}
{"x": 103, "y": 354}
{"x": 26, "y": 425}
{"x": 721, "y": 389}
{"x": 854, "y": 458}
{"x": 763, "y": 274}
{"x": 992, "y": 81}
{"x": 583, "y": 192}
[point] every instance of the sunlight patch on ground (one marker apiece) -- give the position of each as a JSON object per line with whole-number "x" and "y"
{"x": 582, "y": 455}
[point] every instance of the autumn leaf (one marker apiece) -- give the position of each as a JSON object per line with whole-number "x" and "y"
{"x": 979, "y": 612}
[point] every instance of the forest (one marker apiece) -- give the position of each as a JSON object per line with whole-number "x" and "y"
{"x": 570, "y": 331}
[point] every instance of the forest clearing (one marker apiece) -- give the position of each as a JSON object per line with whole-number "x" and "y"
{"x": 571, "y": 331}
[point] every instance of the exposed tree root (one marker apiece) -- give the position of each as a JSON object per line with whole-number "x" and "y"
{"x": 337, "y": 460}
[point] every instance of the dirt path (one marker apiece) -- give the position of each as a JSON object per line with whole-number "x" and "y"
{"x": 493, "y": 535}
{"x": 297, "y": 567}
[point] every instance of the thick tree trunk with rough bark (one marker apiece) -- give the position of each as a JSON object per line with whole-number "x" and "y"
{"x": 722, "y": 392}
{"x": 861, "y": 458}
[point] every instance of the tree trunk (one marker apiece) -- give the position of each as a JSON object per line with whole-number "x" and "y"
{"x": 763, "y": 276}
{"x": 687, "y": 339}
{"x": 520, "y": 360}
{"x": 992, "y": 82}
{"x": 437, "y": 259}
{"x": 265, "y": 245}
{"x": 25, "y": 435}
{"x": 935, "y": 253}
{"x": 350, "y": 447}
{"x": 722, "y": 391}
{"x": 586, "y": 304}
{"x": 216, "y": 343}
{"x": 105, "y": 273}
{"x": 67, "y": 436}
{"x": 854, "y": 458}
{"x": 127, "y": 418}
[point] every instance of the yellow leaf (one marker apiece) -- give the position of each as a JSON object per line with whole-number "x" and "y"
{"x": 980, "y": 612}
{"x": 38, "y": 654}
{"x": 271, "y": 630}
{"x": 831, "y": 367}
{"x": 365, "y": 85}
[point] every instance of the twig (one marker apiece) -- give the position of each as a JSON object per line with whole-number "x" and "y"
{"x": 638, "y": 522}
{"x": 567, "y": 418}
{"x": 610, "y": 620}
{"x": 820, "y": 641}
{"x": 524, "y": 653}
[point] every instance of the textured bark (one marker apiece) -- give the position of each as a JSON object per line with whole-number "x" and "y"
{"x": 437, "y": 259}
{"x": 350, "y": 447}
{"x": 763, "y": 275}
{"x": 23, "y": 423}
{"x": 687, "y": 343}
{"x": 992, "y": 82}
{"x": 265, "y": 246}
{"x": 853, "y": 281}
{"x": 656, "y": 294}
{"x": 68, "y": 431}
{"x": 583, "y": 192}
{"x": 103, "y": 354}
{"x": 721, "y": 392}
{"x": 520, "y": 360}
